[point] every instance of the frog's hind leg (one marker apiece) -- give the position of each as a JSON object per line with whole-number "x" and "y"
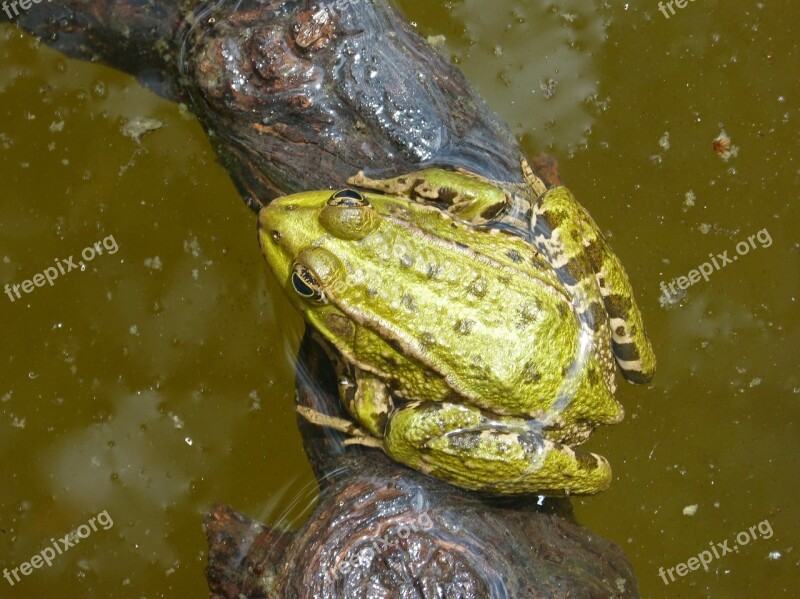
{"x": 568, "y": 236}
{"x": 463, "y": 446}
{"x": 465, "y": 194}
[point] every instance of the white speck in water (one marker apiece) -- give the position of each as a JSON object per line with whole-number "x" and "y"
{"x": 664, "y": 141}
{"x": 774, "y": 555}
{"x": 188, "y": 441}
{"x": 133, "y": 329}
{"x": 178, "y": 423}
{"x": 153, "y": 263}
{"x": 690, "y": 510}
{"x": 256, "y": 405}
{"x": 17, "y": 422}
{"x": 192, "y": 246}
{"x": 755, "y": 382}
{"x": 690, "y": 199}
{"x": 33, "y": 375}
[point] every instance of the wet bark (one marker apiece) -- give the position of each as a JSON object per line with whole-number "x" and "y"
{"x": 297, "y": 95}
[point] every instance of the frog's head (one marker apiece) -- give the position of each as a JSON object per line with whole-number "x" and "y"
{"x": 292, "y": 230}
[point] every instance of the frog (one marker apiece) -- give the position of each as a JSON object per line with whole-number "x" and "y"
{"x": 475, "y": 325}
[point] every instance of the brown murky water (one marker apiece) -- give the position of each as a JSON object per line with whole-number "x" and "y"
{"x": 156, "y": 381}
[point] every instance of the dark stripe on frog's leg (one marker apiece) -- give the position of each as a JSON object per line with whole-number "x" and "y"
{"x": 470, "y": 196}
{"x": 471, "y": 449}
{"x": 637, "y": 362}
{"x": 556, "y": 237}
{"x": 560, "y": 207}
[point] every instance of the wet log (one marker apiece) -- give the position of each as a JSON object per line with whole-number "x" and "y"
{"x": 296, "y": 95}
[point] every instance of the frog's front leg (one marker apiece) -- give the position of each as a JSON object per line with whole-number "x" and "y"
{"x": 462, "y": 445}
{"x": 569, "y": 238}
{"x": 464, "y": 194}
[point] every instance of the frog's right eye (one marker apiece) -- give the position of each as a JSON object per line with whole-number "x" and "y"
{"x": 306, "y": 284}
{"x": 349, "y": 198}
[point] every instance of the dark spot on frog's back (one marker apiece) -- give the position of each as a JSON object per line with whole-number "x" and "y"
{"x": 531, "y": 372}
{"x": 433, "y": 270}
{"x": 593, "y": 376}
{"x": 427, "y": 340}
{"x": 464, "y": 326}
{"x": 407, "y": 301}
{"x": 514, "y": 256}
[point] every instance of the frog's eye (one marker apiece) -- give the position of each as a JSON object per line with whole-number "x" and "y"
{"x": 306, "y": 284}
{"x": 349, "y": 198}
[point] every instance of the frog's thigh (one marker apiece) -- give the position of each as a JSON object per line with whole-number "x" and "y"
{"x": 630, "y": 344}
{"x": 460, "y": 445}
{"x": 470, "y": 196}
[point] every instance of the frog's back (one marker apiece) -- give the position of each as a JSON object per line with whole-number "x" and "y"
{"x": 478, "y": 310}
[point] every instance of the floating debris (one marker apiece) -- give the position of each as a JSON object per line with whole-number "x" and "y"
{"x": 722, "y": 146}
{"x": 138, "y": 127}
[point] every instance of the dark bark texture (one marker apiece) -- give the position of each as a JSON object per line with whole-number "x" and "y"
{"x": 296, "y": 95}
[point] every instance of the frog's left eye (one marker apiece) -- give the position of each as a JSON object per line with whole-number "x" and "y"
{"x": 349, "y": 198}
{"x": 306, "y": 284}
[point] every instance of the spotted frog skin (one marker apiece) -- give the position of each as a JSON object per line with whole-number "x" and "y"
{"x": 474, "y": 324}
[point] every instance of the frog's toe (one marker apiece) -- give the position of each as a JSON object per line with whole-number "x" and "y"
{"x": 461, "y": 445}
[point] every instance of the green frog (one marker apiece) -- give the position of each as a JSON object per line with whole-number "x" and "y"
{"x": 474, "y": 324}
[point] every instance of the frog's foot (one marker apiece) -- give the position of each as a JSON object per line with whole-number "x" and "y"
{"x": 575, "y": 246}
{"x": 356, "y": 434}
{"x": 500, "y": 455}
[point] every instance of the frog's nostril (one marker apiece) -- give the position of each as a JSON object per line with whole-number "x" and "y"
{"x": 276, "y": 235}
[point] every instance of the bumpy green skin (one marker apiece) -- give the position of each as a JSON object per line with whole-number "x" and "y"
{"x": 466, "y": 352}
